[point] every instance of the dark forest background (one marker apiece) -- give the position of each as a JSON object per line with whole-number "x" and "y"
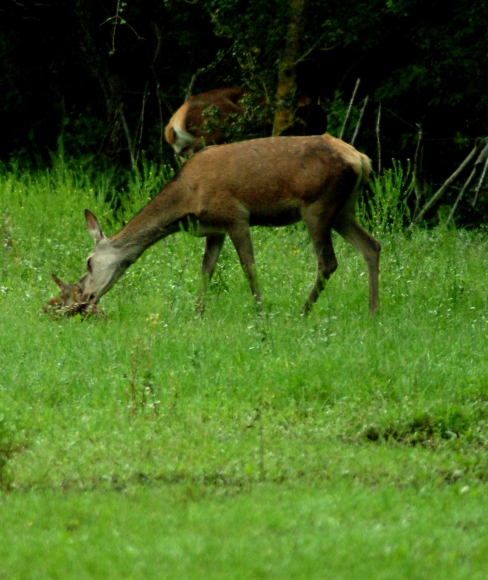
{"x": 99, "y": 79}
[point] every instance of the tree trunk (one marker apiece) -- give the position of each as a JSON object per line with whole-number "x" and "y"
{"x": 287, "y": 74}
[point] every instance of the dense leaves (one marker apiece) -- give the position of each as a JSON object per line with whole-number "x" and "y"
{"x": 103, "y": 78}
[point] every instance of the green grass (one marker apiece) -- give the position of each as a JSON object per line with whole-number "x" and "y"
{"x": 161, "y": 445}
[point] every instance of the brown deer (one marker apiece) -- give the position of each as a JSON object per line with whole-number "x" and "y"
{"x": 188, "y": 130}
{"x": 225, "y": 189}
{"x": 203, "y": 118}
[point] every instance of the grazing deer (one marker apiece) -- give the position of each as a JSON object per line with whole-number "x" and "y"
{"x": 203, "y": 118}
{"x": 225, "y": 189}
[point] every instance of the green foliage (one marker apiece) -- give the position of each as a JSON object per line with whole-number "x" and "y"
{"x": 143, "y": 183}
{"x": 108, "y": 95}
{"x": 386, "y": 209}
{"x": 254, "y": 121}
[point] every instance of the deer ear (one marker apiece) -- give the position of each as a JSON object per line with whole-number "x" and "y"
{"x": 93, "y": 226}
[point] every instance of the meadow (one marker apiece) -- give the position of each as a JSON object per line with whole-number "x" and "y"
{"x": 157, "y": 444}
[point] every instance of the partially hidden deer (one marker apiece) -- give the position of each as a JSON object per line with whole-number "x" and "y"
{"x": 188, "y": 131}
{"x": 202, "y": 119}
{"x": 226, "y": 189}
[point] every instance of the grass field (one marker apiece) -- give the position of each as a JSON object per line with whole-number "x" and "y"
{"x": 160, "y": 445}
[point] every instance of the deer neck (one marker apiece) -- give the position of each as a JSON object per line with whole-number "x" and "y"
{"x": 160, "y": 218}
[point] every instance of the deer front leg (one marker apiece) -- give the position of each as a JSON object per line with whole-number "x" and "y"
{"x": 213, "y": 247}
{"x": 241, "y": 238}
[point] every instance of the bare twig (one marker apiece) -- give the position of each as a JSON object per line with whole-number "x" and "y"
{"x": 116, "y": 20}
{"x": 399, "y": 118}
{"x": 437, "y": 195}
{"x": 378, "y": 140}
{"x": 358, "y": 124}
{"x": 351, "y": 102}
{"x": 459, "y": 197}
{"x": 140, "y": 125}
{"x": 303, "y": 57}
{"x": 159, "y": 38}
{"x": 416, "y": 171}
{"x": 190, "y": 87}
{"x": 161, "y": 122}
{"x": 480, "y": 159}
{"x": 130, "y": 145}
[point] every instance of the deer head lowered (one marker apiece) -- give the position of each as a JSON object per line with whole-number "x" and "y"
{"x": 226, "y": 189}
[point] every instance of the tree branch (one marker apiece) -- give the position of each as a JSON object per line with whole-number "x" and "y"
{"x": 459, "y": 197}
{"x": 116, "y": 19}
{"x": 127, "y": 136}
{"x": 378, "y": 140}
{"x": 358, "y": 124}
{"x": 351, "y": 102}
{"x": 480, "y": 159}
{"x": 438, "y": 194}
{"x": 307, "y": 52}
{"x": 416, "y": 171}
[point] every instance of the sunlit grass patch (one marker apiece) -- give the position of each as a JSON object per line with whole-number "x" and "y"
{"x": 239, "y": 445}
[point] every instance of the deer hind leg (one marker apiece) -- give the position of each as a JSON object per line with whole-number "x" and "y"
{"x": 347, "y": 226}
{"x": 213, "y": 247}
{"x": 321, "y": 236}
{"x": 241, "y": 238}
